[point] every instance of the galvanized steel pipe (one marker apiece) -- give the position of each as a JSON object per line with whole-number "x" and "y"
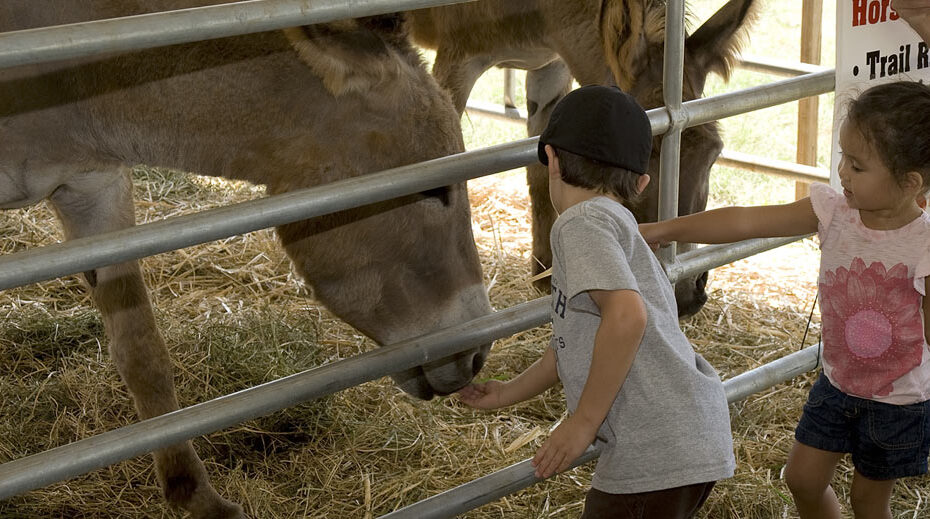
{"x": 778, "y": 67}
{"x": 672, "y": 80}
{"x": 781, "y": 168}
{"x": 84, "y": 254}
{"x": 712, "y": 108}
{"x": 775, "y": 372}
{"x": 699, "y": 260}
{"x": 79, "y": 255}
{"x": 186, "y": 25}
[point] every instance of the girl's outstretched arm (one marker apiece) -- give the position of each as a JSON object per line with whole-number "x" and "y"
{"x": 730, "y": 224}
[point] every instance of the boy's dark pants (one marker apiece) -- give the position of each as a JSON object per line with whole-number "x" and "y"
{"x": 671, "y": 503}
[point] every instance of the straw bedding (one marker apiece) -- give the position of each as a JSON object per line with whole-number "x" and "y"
{"x": 234, "y": 315}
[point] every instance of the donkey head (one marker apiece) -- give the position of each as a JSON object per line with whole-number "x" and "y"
{"x": 634, "y": 40}
{"x": 400, "y": 268}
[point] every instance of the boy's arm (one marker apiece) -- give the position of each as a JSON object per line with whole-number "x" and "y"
{"x": 540, "y": 376}
{"x": 917, "y": 14}
{"x": 623, "y": 322}
{"x": 730, "y": 224}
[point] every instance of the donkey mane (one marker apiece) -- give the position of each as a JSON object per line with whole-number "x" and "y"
{"x": 349, "y": 55}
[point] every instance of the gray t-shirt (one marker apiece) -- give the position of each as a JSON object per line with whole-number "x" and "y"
{"x": 669, "y": 425}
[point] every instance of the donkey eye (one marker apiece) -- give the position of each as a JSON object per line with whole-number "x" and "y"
{"x": 440, "y": 194}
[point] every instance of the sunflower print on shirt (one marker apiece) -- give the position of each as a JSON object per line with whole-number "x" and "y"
{"x": 872, "y": 329}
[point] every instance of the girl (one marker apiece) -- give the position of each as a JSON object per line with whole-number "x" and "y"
{"x": 873, "y": 398}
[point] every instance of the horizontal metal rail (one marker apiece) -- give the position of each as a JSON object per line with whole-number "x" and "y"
{"x": 186, "y": 25}
{"x": 496, "y": 111}
{"x": 727, "y": 158}
{"x": 721, "y": 106}
{"x": 111, "y": 447}
{"x": 786, "y": 368}
{"x": 699, "y": 260}
{"x": 80, "y": 255}
{"x": 813, "y": 85}
{"x": 83, "y": 254}
{"x": 774, "y": 167}
{"x": 504, "y": 112}
{"x": 779, "y": 67}
{"x": 486, "y": 489}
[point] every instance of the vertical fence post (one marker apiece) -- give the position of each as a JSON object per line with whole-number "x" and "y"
{"x": 670, "y": 156}
{"x": 510, "y": 85}
{"x": 510, "y": 80}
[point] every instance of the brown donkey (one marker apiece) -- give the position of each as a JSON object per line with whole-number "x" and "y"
{"x": 289, "y": 109}
{"x": 598, "y": 42}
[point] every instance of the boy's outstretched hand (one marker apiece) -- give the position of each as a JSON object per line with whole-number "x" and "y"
{"x": 482, "y": 396}
{"x": 567, "y": 442}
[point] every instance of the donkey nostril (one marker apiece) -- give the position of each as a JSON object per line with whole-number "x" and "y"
{"x": 701, "y": 298}
{"x": 476, "y": 363}
{"x": 701, "y": 282}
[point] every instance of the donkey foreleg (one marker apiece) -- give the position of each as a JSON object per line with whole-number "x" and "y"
{"x": 544, "y": 88}
{"x": 96, "y": 202}
{"x": 457, "y": 74}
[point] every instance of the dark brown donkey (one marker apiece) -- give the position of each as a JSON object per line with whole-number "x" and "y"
{"x": 288, "y": 109}
{"x": 599, "y": 42}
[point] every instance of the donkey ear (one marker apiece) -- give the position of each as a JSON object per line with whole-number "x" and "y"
{"x": 623, "y": 34}
{"x": 715, "y": 45}
{"x": 351, "y": 55}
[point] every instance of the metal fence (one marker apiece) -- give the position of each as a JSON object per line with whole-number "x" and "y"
{"x": 79, "y": 255}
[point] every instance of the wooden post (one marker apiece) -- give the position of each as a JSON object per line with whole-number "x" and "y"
{"x": 811, "y": 36}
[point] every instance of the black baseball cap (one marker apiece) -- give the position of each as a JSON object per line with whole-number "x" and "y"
{"x": 600, "y": 123}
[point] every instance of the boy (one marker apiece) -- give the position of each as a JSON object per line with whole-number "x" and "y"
{"x": 632, "y": 381}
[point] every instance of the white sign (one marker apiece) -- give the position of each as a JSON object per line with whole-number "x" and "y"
{"x": 873, "y": 45}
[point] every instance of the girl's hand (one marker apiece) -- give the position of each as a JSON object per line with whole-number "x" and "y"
{"x": 649, "y": 232}
{"x": 568, "y": 441}
{"x": 482, "y": 396}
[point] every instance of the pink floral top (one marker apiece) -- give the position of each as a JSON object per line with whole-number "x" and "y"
{"x": 871, "y": 289}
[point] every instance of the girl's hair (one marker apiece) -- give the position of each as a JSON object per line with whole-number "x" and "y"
{"x": 591, "y": 174}
{"x": 895, "y": 119}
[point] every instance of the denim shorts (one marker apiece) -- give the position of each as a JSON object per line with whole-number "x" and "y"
{"x": 886, "y": 441}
